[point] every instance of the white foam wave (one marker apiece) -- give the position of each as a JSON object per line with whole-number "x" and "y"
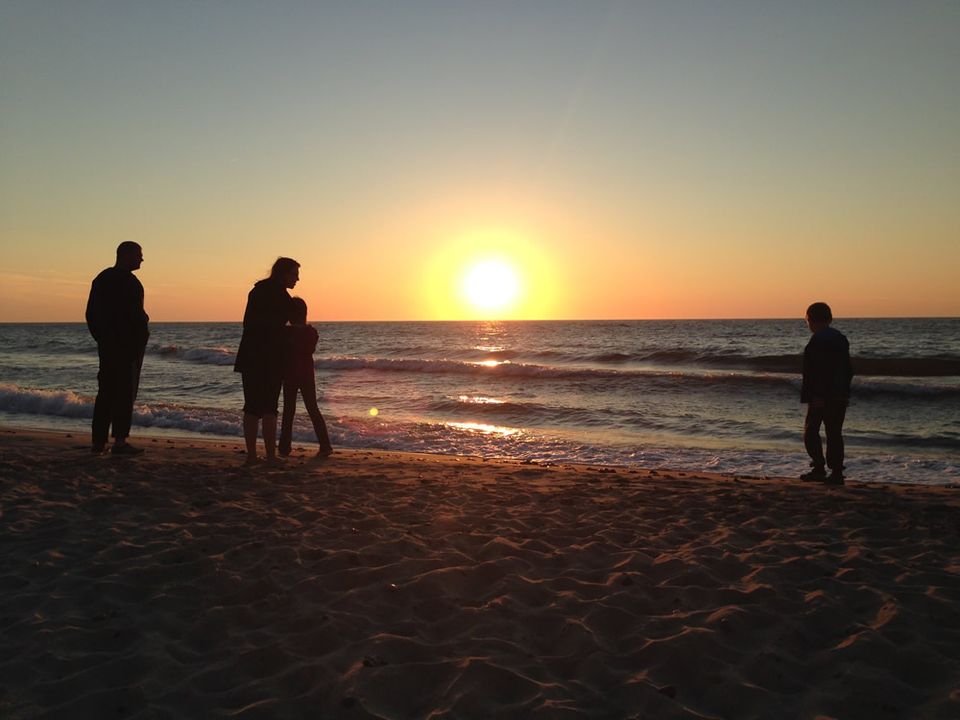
{"x": 195, "y": 419}
{"x": 63, "y": 403}
{"x": 68, "y": 404}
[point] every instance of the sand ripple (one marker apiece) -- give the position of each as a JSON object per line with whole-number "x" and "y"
{"x": 385, "y": 586}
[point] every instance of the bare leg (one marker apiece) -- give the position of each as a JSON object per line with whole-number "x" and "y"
{"x": 250, "y": 426}
{"x": 309, "y": 392}
{"x": 270, "y": 436}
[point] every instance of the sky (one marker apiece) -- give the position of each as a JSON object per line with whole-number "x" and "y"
{"x": 675, "y": 159}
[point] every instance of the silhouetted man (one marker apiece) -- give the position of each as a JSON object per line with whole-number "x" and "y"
{"x": 118, "y": 323}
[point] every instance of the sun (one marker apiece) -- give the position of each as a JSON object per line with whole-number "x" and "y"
{"x": 489, "y": 274}
{"x": 491, "y": 285}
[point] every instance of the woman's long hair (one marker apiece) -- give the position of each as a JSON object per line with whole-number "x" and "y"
{"x": 282, "y": 266}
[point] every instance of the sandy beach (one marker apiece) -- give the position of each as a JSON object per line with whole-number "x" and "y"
{"x": 379, "y": 585}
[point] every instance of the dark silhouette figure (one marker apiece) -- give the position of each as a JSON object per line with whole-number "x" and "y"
{"x": 827, "y": 373}
{"x": 118, "y": 323}
{"x": 298, "y": 376}
{"x": 260, "y": 358}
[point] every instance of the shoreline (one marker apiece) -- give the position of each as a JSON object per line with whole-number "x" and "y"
{"x": 378, "y": 584}
{"x": 210, "y": 448}
{"x": 872, "y": 469}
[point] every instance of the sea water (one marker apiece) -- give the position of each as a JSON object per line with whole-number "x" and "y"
{"x": 720, "y": 395}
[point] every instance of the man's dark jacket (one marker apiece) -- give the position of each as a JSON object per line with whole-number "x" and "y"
{"x": 115, "y": 314}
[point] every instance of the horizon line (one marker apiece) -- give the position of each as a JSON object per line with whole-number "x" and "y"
{"x": 518, "y": 320}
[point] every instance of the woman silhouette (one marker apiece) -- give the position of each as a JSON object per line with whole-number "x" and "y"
{"x": 260, "y": 360}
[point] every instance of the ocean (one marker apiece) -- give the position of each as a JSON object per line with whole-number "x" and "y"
{"x": 718, "y": 395}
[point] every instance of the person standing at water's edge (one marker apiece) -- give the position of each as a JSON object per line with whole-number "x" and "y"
{"x": 298, "y": 376}
{"x": 260, "y": 358}
{"x": 117, "y": 321}
{"x": 827, "y": 373}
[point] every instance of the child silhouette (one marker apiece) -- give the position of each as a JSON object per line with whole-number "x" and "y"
{"x": 298, "y": 376}
{"x": 827, "y": 372}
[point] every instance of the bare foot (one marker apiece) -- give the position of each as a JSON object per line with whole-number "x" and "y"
{"x": 252, "y": 460}
{"x": 324, "y": 453}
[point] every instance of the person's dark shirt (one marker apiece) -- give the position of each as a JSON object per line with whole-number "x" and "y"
{"x": 261, "y": 345}
{"x": 827, "y": 370}
{"x": 115, "y": 314}
{"x": 301, "y": 341}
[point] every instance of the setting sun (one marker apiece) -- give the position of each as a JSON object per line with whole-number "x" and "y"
{"x": 489, "y": 274}
{"x": 491, "y": 285}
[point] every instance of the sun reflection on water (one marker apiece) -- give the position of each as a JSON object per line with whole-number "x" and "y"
{"x": 492, "y": 363}
{"x": 484, "y": 428}
{"x": 479, "y": 400}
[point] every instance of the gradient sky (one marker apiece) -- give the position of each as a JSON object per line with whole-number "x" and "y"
{"x": 631, "y": 159}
